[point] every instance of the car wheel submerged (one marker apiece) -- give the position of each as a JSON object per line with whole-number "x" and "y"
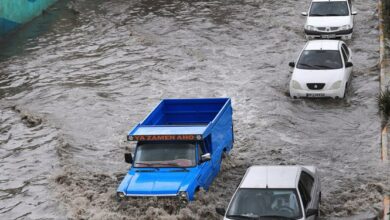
{"x": 319, "y": 208}
{"x": 345, "y": 90}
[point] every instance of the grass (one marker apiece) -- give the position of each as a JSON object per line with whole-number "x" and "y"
{"x": 384, "y": 105}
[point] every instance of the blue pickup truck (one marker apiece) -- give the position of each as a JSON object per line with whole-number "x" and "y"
{"x": 179, "y": 149}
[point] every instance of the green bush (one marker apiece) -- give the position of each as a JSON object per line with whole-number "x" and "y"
{"x": 384, "y": 104}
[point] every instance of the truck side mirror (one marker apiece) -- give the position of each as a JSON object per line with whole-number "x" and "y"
{"x": 129, "y": 158}
{"x": 348, "y": 64}
{"x": 304, "y": 13}
{"x": 220, "y": 211}
{"x": 311, "y": 212}
{"x": 205, "y": 157}
{"x": 291, "y": 64}
{"x": 354, "y": 13}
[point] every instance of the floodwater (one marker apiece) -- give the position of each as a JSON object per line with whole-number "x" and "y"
{"x": 73, "y": 82}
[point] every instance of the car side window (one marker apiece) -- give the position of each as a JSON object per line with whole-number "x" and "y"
{"x": 345, "y": 49}
{"x": 304, "y": 196}
{"x": 305, "y": 186}
{"x": 307, "y": 181}
{"x": 344, "y": 56}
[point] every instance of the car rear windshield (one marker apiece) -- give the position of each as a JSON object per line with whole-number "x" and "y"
{"x": 320, "y": 59}
{"x": 329, "y": 9}
{"x": 258, "y": 203}
{"x": 165, "y": 154}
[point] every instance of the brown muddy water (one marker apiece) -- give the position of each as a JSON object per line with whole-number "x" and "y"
{"x": 73, "y": 82}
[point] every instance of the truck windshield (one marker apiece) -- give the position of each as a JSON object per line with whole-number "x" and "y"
{"x": 320, "y": 60}
{"x": 165, "y": 154}
{"x": 338, "y": 8}
{"x": 257, "y": 203}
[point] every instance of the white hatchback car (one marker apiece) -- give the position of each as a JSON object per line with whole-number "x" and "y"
{"x": 276, "y": 192}
{"x": 329, "y": 19}
{"x": 323, "y": 69}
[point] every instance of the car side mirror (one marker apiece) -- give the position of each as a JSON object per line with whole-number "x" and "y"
{"x": 291, "y": 64}
{"x": 220, "y": 211}
{"x": 129, "y": 158}
{"x": 304, "y": 13}
{"x": 354, "y": 13}
{"x": 311, "y": 212}
{"x": 348, "y": 64}
{"x": 205, "y": 157}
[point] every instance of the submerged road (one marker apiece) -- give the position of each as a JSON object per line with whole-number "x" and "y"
{"x": 74, "y": 81}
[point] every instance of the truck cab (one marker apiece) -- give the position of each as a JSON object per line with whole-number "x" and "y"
{"x": 179, "y": 148}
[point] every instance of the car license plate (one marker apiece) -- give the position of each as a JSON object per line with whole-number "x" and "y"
{"x": 315, "y": 94}
{"x": 329, "y": 36}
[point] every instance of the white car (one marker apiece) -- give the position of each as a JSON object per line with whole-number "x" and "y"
{"x": 323, "y": 69}
{"x": 329, "y": 19}
{"x": 276, "y": 192}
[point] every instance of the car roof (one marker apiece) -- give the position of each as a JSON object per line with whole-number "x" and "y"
{"x": 278, "y": 177}
{"x": 323, "y": 45}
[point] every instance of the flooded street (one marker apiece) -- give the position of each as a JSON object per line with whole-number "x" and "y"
{"x": 73, "y": 82}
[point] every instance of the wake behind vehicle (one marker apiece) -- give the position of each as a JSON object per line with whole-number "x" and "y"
{"x": 329, "y": 19}
{"x": 179, "y": 149}
{"x": 276, "y": 192}
{"x": 323, "y": 69}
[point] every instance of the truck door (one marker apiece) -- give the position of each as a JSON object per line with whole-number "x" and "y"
{"x": 206, "y": 168}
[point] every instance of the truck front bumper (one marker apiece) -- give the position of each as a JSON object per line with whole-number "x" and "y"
{"x": 178, "y": 199}
{"x": 343, "y": 34}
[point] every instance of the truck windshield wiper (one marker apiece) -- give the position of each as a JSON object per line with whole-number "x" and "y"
{"x": 152, "y": 165}
{"x": 172, "y": 164}
{"x": 149, "y": 165}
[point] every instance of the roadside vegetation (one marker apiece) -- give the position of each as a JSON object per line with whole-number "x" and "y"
{"x": 384, "y": 106}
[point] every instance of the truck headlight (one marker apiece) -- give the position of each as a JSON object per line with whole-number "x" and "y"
{"x": 336, "y": 85}
{"x": 120, "y": 195}
{"x": 295, "y": 84}
{"x": 183, "y": 197}
{"x": 346, "y": 27}
{"x": 310, "y": 27}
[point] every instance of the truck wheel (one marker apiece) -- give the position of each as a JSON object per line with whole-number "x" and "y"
{"x": 199, "y": 194}
{"x": 118, "y": 199}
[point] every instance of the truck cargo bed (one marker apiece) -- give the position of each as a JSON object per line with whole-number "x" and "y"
{"x": 185, "y": 112}
{"x": 182, "y": 117}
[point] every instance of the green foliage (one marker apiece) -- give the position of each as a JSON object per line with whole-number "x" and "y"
{"x": 384, "y": 104}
